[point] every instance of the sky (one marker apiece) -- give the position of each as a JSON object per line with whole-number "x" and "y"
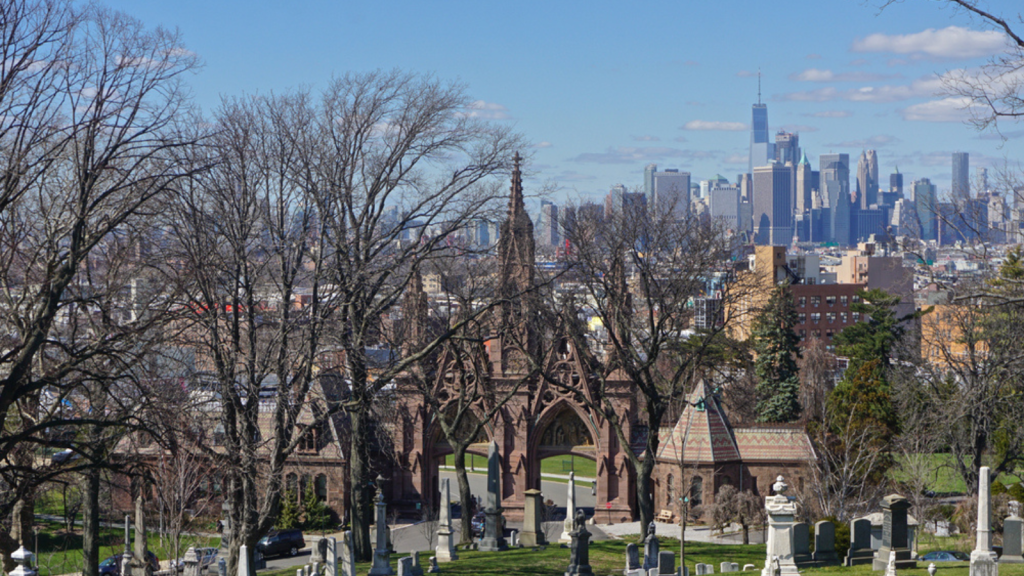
{"x": 602, "y": 88}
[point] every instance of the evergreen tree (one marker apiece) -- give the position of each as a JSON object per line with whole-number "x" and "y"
{"x": 777, "y": 347}
{"x": 289, "y": 515}
{"x": 317, "y": 515}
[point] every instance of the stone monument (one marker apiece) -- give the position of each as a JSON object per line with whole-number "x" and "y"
{"x": 348, "y": 559}
{"x": 24, "y": 560}
{"x": 243, "y": 559}
{"x": 780, "y": 550}
{"x": 1012, "y": 536}
{"x": 445, "y": 550}
{"x": 191, "y": 562}
{"x": 140, "y": 561}
{"x": 579, "y": 548}
{"x": 650, "y": 549}
{"x": 890, "y": 566}
{"x": 494, "y": 525}
{"x": 381, "y": 555}
{"x": 532, "y": 534}
{"x": 825, "y": 543}
{"x": 802, "y": 544}
{"x": 894, "y": 534}
{"x": 331, "y": 557}
{"x": 983, "y": 559}
{"x": 632, "y": 559}
{"x": 225, "y": 528}
{"x": 860, "y": 543}
{"x": 570, "y": 510}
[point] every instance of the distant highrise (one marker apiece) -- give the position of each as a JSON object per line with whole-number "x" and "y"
{"x": 926, "y": 208}
{"x": 548, "y": 225}
{"x": 806, "y": 183}
{"x": 961, "y": 185}
{"x": 787, "y": 147}
{"x": 670, "y": 192}
{"x": 724, "y": 205}
{"x": 867, "y": 179}
{"x": 835, "y": 190}
{"x": 613, "y": 202}
{"x": 773, "y": 213}
{"x": 649, "y": 182}
{"x": 896, "y": 182}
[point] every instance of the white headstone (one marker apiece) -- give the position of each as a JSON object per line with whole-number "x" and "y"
{"x": 570, "y": 509}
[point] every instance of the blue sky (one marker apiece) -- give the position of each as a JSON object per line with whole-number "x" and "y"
{"x": 604, "y": 88}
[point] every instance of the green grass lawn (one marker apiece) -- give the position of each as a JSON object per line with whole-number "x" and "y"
{"x": 942, "y": 477}
{"x": 61, "y": 553}
{"x": 560, "y": 465}
{"x": 608, "y": 559}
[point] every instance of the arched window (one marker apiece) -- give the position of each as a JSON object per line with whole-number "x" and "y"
{"x": 696, "y": 491}
{"x": 321, "y": 487}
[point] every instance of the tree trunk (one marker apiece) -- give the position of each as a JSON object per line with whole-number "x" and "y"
{"x": 361, "y": 510}
{"x": 644, "y": 500}
{"x": 91, "y": 523}
{"x": 746, "y": 534}
{"x": 465, "y": 494}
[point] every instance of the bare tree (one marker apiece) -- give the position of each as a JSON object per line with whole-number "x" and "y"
{"x": 640, "y": 273}
{"x": 743, "y": 508}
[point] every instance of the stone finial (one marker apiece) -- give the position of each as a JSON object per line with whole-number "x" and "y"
{"x": 24, "y": 559}
{"x": 780, "y": 486}
{"x": 1014, "y": 508}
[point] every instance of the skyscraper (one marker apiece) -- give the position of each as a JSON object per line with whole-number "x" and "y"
{"x": 806, "y": 182}
{"x": 961, "y": 185}
{"x": 761, "y": 149}
{"x": 896, "y": 182}
{"x": 835, "y": 188}
{"x": 549, "y": 235}
{"x": 773, "y": 213}
{"x": 867, "y": 179}
{"x": 926, "y": 208}
{"x": 649, "y": 182}
{"x": 787, "y": 147}
{"x": 670, "y": 192}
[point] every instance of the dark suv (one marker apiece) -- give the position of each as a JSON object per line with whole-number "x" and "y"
{"x": 281, "y": 542}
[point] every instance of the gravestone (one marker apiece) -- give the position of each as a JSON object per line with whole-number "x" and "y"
{"x": 331, "y": 556}
{"x": 532, "y": 534}
{"x": 348, "y": 559}
{"x": 243, "y": 559}
{"x": 445, "y": 550}
{"x": 222, "y": 567}
{"x": 894, "y": 534}
{"x": 434, "y": 568}
{"x": 405, "y": 566}
{"x": 890, "y": 567}
{"x": 494, "y": 531}
{"x": 579, "y": 548}
{"x": 983, "y": 559}
{"x": 779, "y": 557}
{"x": 748, "y": 567}
{"x": 735, "y": 566}
{"x": 650, "y": 549}
{"x": 1012, "y": 536}
{"x": 570, "y": 510}
{"x": 726, "y": 567}
{"x": 860, "y": 543}
{"x": 825, "y": 542}
{"x": 225, "y": 521}
{"x": 191, "y": 561}
{"x": 802, "y": 543}
{"x": 417, "y": 570}
{"x": 666, "y": 562}
{"x": 514, "y": 538}
{"x": 381, "y": 555}
{"x": 632, "y": 558}
{"x": 140, "y": 561}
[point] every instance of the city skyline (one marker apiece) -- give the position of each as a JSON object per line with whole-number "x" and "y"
{"x": 599, "y": 104}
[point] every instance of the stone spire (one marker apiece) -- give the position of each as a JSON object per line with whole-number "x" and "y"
{"x": 415, "y": 314}
{"x": 516, "y": 272}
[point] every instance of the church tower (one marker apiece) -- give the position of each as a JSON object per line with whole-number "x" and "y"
{"x": 516, "y": 279}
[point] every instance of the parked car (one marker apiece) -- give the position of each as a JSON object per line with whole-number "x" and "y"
{"x": 207, "y": 560}
{"x": 477, "y": 523}
{"x": 946, "y": 556}
{"x": 281, "y": 542}
{"x": 112, "y": 565}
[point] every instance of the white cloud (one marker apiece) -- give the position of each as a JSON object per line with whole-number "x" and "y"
{"x": 714, "y": 125}
{"x": 816, "y": 75}
{"x": 487, "y": 111}
{"x": 798, "y": 128}
{"x": 544, "y": 144}
{"x": 953, "y": 42}
{"x": 870, "y": 142}
{"x": 646, "y": 139}
{"x": 944, "y": 110}
{"x": 830, "y": 114}
{"x": 921, "y": 88}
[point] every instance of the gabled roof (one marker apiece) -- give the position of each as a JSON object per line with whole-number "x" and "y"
{"x": 706, "y": 432}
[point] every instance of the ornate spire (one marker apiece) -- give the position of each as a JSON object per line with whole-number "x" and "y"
{"x": 515, "y": 200}
{"x": 516, "y": 272}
